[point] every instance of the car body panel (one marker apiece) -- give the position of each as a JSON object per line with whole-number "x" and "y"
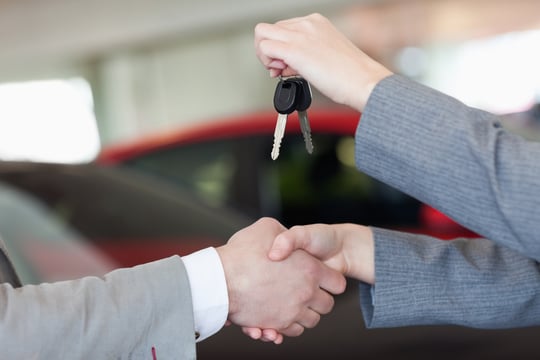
{"x": 260, "y": 123}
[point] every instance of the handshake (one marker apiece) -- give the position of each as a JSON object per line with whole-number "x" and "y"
{"x": 280, "y": 281}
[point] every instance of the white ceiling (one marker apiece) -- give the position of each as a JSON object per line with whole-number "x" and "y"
{"x": 40, "y": 30}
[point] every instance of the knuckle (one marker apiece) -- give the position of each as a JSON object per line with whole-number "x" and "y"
{"x": 314, "y": 321}
{"x": 295, "y": 330}
{"x": 329, "y": 305}
{"x": 306, "y": 294}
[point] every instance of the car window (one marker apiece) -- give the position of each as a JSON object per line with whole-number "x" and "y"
{"x": 327, "y": 187}
{"x": 296, "y": 188}
{"x": 205, "y": 169}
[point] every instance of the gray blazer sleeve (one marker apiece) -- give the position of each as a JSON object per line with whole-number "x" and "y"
{"x": 462, "y": 162}
{"x": 471, "y": 282}
{"x": 128, "y": 314}
{"x": 455, "y": 158}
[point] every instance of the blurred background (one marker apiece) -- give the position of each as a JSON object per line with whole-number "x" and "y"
{"x": 78, "y": 75}
{"x": 128, "y": 126}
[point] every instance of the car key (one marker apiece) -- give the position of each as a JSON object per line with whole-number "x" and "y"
{"x": 303, "y": 102}
{"x": 284, "y": 103}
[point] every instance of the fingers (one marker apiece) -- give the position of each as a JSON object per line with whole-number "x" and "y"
{"x": 272, "y": 335}
{"x": 277, "y": 67}
{"x": 313, "y": 47}
{"x": 332, "y": 281}
{"x": 322, "y": 302}
{"x": 264, "y": 335}
{"x": 308, "y": 320}
{"x": 293, "y": 330}
{"x": 288, "y": 241}
{"x": 279, "y": 40}
{"x": 283, "y": 246}
{"x": 254, "y": 333}
{"x": 269, "y": 41}
{"x": 273, "y": 42}
{"x": 316, "y": 239}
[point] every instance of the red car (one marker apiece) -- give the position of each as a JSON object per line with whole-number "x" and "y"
{"x": 227, "y": 163}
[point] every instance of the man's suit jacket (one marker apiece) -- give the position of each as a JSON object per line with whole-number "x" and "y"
{"x": 144, "y": 312}
{"x": 462, "y": 162}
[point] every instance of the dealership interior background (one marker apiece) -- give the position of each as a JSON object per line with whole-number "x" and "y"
{"x": 126, "y": 69}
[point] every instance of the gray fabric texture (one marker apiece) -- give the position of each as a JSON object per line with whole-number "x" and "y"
{"x": 120, "y": 316}
{"x": 461, "y": 161}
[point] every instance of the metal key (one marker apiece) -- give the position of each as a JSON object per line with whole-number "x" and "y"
{"x": 303, "y": 102}
{"x": 284, "y": 103}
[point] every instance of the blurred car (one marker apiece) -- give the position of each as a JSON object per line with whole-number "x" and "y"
{"x": 41, "y": 247}
{"x": 227, "y": 163}
{"x": 65, "y": 221}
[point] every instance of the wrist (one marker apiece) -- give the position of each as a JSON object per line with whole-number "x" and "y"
{"x": 359, "y": 250}
{"x": 375, "y": 75}
{"x": 228, "y": 269}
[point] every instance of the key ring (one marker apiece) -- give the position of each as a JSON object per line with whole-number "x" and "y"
{"x": 283, "y": 78}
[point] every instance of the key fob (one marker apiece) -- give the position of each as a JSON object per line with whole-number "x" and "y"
{"x": 303, "y": 95}
{"x": 285, "y": 96}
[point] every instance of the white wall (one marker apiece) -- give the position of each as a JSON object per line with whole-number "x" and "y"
{"x": 202, "y": 80}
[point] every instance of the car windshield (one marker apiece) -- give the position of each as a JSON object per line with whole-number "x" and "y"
{"x": 238, "y": 172}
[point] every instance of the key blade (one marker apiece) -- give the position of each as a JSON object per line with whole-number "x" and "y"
{"x": 306, "y": 130}
{"x": 278, "y": 135}
{"x": 303, "y": 102}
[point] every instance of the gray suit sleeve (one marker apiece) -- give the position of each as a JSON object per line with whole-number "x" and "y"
{"x": 461, "y": 161}
{"x": 127, "y": 314}
{"x": 470, "y": 282}
{"x": 455, "y": 158}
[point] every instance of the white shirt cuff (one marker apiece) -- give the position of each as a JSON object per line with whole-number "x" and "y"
{"x": 208, "y": 291}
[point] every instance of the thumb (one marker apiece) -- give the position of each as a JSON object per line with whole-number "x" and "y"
{"x": 282, "y": 247}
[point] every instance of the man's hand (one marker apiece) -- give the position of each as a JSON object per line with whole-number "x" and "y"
{"x": 284, "y": 297}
